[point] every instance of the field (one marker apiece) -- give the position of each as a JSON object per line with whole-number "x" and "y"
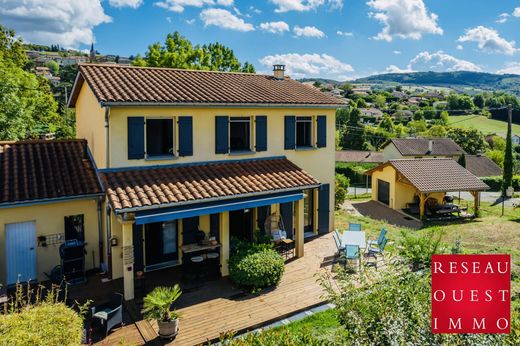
{"x": 483, "y": 124}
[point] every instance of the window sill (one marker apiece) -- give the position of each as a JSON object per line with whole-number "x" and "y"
{"x": 242, "y": 152}
{"x": 305, "y": 148}
{"x": 161, "y": 158}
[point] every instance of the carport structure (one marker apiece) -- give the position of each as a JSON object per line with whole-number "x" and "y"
{"x": 407, "y": 180}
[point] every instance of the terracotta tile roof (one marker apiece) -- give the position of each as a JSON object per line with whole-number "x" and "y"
{"x": 435, "y": 175}
{"x": 359, "y": 156}
{"x": 420, "y": 146}
{"x": 482, "y": 166}
{"x": 130, "y": 84}
{"x": 193, "y": 183}
{"x": 41, "y": 170}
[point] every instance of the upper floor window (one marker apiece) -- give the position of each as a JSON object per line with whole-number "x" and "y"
{"x": 303, "y": 132}
{"x": 159, "y": 137}
{"x": 239, "y": 134}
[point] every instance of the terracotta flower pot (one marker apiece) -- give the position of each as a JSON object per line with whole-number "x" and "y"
{"x": 168, "y": 330}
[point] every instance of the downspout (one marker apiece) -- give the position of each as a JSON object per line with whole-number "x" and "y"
{"x": 100, "y": 232}
{"x": 107, "y": 137}
{"x": 109, "y": 245}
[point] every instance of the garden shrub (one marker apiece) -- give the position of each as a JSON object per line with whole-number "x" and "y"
{"x": 417, "y": 249}
{"x": 43, "y": 324}
{"x": 255, "y": 266}
{"x": 495, "y": 183}
{"x": 281, "y": 337}
{"x": 341, "y": 190}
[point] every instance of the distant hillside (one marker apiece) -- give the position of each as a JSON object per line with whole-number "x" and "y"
{"x": 478, "y": 80}
{"x": 321, "y": 80}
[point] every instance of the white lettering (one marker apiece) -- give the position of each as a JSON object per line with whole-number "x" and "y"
{"x": 455, "y": 295}
{"x": 506, "y": 267}
{"x": 435, "y": 295}
{"x": 476, "y": 267}
{"x": 435, "y": 323}
{"x": 504, "y": 294}
{"x": 474, "y": 296}
{"x": 488, "y": 295}
{"x": 482, "y": 323}
{"x": 437, "y": 267}
{"x": 453, "y": 267}
{"x": 454, "y": 325}
{"x": 489, "y": 269}
{"x": 506, "y": 323}
{"x": 464, "y": 266}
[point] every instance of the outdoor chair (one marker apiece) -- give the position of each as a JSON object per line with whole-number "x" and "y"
{"x": 351, "y": 253}
{"x": 374, "y": 251}
{"x": 354, "y": 227}
{"x": 110, "y": 314}
{"x": 379, "y": 240}
{"x": 337, "y": 241}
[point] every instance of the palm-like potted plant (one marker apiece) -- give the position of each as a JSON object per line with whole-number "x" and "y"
{"x": 157, "y": 305}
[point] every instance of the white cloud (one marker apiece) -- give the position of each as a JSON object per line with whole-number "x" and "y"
{"x": 169, "y": 19}
{"x": 179, "y": 5}
{"x": 224, "y": 19}
{"x": 502, "y": 18}
{"x": 407, "y": 19}
{"x": 68, "y": 23}
{"x": 516, "y": 12}
{"x": 438, "y": 62}
{"x": 190, "y": 21}
{"x": 125, "y": 3}
{"x": 395, "y": 69}
{"x": 344, "y": 33}
{"x": 308, "y": 31}
{"x": 255, "y": 10}
{"x": 275, "y": 27}
{"x": 307, "y": 65}
{"x": 488, "y": 40}
{"x": 397, "y": 52}
{"x": 305, "y": 5}
{"x": 511, "y": 68}
{"x": 460, "y": 47}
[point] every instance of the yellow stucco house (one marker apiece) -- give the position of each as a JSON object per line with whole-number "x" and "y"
{"x": 50, "y": 195}
{"x": 185, "y": 155}
{"x": 415, "y": 148}
{"x": 402, "y": 183}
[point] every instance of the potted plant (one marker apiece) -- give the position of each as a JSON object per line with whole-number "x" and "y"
{"x": 157, "y": 305}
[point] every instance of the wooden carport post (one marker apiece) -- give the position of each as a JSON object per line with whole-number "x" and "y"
{"x": 422, "y": 201}
{"x": 476, "y": 199}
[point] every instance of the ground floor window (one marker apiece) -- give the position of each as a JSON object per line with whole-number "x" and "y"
{"x": 161, "y": 242}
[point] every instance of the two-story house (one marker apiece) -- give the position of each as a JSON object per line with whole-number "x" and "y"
{"x": 415, "y": 148}
{"x": 185, "y": 155}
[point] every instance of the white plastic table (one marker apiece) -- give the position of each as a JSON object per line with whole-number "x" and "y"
{"x": 354, "y": 238}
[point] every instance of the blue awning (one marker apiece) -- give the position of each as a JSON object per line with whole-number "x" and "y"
{"x": 181, "y": 212}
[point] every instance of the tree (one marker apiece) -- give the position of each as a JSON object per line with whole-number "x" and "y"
{"x": 508, "y": 159}
{"x": 479, "y": 101}
{"x": 27, "y": 106}
{"x": 462, "y": 160}
{"x": 53, "y": 67}
{"x": 361, "y": 103}
{"x": 470, "y": 140}
{"x": 387, "y": 124}
{"x": 438, "y": 131}
{"x": 429, "y": 113}
{"x": 179, "y": 52}
{"x": 380, "y": 100}
{"x": 342, "y": 116}
{"x": 444, "y": 118}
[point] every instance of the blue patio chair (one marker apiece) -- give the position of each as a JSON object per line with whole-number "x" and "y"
{"x": 351, "y": 253}
{"x": 110, "y": 314}
{"x": 379, "y": 240}
{"x": 337, "y": 241}
{"x": 374, "y": 251}
{"x": 354, "y": 227}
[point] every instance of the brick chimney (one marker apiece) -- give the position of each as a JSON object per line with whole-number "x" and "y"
{"x": 430, "y": 146}
{"x": 279, "y": 72}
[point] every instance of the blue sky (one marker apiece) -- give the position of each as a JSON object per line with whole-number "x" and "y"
{"x": 340, "y": 39}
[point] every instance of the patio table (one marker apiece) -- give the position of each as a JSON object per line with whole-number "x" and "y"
{"x": 354, "y": 238}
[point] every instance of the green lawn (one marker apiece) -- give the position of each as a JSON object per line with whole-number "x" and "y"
{"x": 483, "y": 124}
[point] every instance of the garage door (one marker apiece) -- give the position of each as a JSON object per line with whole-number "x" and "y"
{"x": 383, "y": 192}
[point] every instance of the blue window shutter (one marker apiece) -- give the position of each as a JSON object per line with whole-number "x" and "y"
{"x": 290, "y": 132}
{"x": 322, "y": 131}
{"x": 323, "y": 208}
{"x": 261, "y": 133}
{"x": 185, "y": 136}
{"x": 221, "y": 134}
{"x": 135, "y": 138}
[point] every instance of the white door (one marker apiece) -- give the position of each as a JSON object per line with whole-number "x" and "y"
{"x": 20, "y": 243}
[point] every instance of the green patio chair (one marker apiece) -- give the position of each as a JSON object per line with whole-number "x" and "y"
{"x": 337, "y": 241}
{"x": 374, "y": 251}
{"x": 382, "y": 235}
{"x": 351, "y": 253}
{"x": 354, "y": 227}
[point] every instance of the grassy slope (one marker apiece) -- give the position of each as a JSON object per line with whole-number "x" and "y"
{"x": 483, "y": 124}
{"x": 323, "y": 325}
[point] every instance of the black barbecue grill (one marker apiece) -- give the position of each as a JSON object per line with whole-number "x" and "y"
{"x": 72, "y": 254}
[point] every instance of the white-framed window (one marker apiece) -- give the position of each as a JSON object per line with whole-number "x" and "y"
{"x": 160, "y": 137}
{"x": 240, "y": 137}
{"x": 304, "y": 131}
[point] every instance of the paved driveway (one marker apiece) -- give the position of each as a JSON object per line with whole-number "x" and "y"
{"x": 378, "y": 211}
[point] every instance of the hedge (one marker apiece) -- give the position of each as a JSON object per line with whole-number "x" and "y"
{"x": 495, "y": 183}
{"x": 354, "y": 171}
{"x": 43, "y": 324}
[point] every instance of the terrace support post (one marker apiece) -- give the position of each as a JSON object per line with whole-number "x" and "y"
{"x": 299, "y": 228}
{"x": 422, "y": 201}
{"x": 128, "y": 259}
{"x": 224, "y": 243}
{"x": 476, "y": 201}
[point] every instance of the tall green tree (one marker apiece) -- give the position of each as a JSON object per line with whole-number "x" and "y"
{"x": 470, "y": 140}
{"x": 178, "y": 52}
{"x": 462, "y": 160}
{"x": 507, "y": 180}
{"x": 27, "y": 106}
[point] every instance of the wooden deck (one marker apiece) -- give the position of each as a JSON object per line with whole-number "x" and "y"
{"x": 219, "y": 307}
